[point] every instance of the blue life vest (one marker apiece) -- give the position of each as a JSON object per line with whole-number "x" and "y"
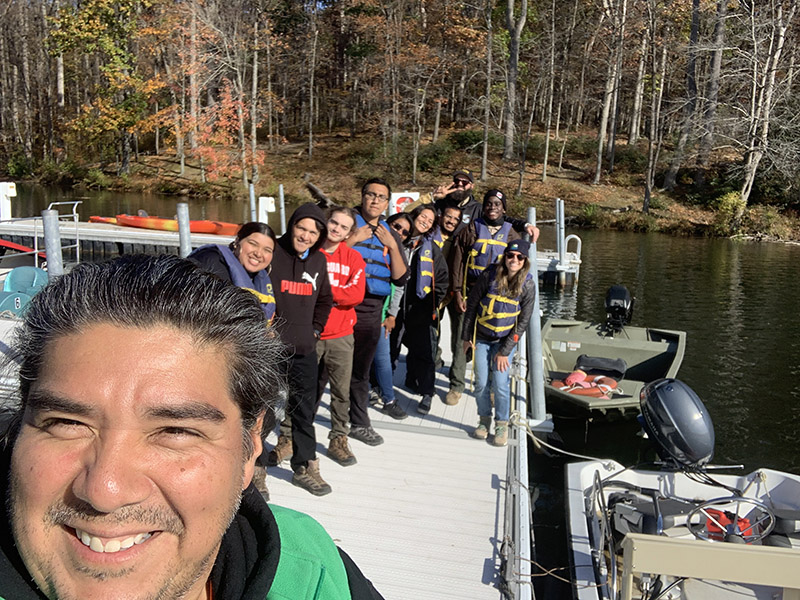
{"x": 497, "y": 314}
{"x": 260, "y": 285}
{"x": 425, "y": 267}
{"x": 487, "y": 248}
{"x": 376, "y": 255}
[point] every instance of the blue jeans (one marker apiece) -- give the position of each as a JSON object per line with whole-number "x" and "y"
{"x": 382, "y": 367}
{"x": 488, "y": 379}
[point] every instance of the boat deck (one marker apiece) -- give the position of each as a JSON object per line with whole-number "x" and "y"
{"x": 423, "y": 514}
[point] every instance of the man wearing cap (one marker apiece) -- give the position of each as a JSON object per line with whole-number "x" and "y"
{"x": 459, "y": 194}
{"x": 477, "y": 246}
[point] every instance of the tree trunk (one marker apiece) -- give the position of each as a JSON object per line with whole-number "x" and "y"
{"x": 437, "y": 120}
{"x": 617, "y": 15}
{"x": 638, "y": 95}
{"x": 487, "y": 100}
{"x": 194, "y": 92}
{"x": 515, "y": 27}
{"x": 312, "y": 67}
{"x": 550, "y": 90}
{"x": 691, "y": 100}
{"x": 254, "y": 107}
{"x": 657, "y": 77}
{"x": 712, "y": 96}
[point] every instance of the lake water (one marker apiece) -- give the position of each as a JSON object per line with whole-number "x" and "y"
{"x": 737, "y": 301}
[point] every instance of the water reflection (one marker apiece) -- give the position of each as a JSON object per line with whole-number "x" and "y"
{"x": 736, "y": 301}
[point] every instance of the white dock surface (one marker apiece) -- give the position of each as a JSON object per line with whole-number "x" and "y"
{"x": 422, "y": 514}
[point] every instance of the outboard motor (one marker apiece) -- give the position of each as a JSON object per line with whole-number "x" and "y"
{"x": 619, "y": 307}
{"x": 677, "y": 421}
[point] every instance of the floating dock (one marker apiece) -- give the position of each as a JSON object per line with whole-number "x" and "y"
{"x": 100, "y": 241}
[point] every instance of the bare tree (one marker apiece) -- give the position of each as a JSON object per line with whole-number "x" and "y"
{"x": 691, "y": 99}
{"x": 515, "y": 25}
{"x": 764, "y": 83}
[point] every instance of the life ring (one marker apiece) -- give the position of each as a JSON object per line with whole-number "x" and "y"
{"x": 581, "y": 384}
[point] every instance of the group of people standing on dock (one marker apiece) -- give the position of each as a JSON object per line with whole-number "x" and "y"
{"x": 347, "y": 288}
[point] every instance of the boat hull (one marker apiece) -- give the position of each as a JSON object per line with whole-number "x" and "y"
{"x": 649, "y": 353}
{"x": 591, "y": 486}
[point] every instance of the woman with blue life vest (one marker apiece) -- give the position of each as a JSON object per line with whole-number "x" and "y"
{"x": 243, "y": 262}
{"x": 499, "y": 308}
{"x": 425, "y": 290}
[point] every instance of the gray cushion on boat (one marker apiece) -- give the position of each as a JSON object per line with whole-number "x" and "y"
{"x": 787, "y": 521}
{"x": 598, "y": 365}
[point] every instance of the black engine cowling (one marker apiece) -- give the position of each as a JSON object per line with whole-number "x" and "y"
{"x": 676, "y": 419}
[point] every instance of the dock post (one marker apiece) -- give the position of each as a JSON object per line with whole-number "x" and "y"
{"x": 252, "y": 202}
{"x": 283, "y": 209}
{"x": 562, "y": 243}
{"x": 534, "y": 335}
{"x": 52, "y": 243}
{"x": 184, "y": 235}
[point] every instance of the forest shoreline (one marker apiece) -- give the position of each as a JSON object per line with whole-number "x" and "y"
{"x": 338, "y": 168}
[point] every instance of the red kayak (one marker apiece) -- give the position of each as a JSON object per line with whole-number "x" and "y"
{"x": 161, "y": 224}
{"x": 6, "y": 245}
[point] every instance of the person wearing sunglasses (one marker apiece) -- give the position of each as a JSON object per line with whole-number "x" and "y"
{"x": 380, "y": 247}
{"x": 381, "y": 372}
{"x": 459, "y": 193}
{"x": 499, "y": 308}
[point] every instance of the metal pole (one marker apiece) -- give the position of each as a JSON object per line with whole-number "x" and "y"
{"x": 562, "y": 238}
{"x": 535, "y": 368}
{"x": 252, "y": 202}
{"x": 184, "y": 235}
{"x": 52, "y": 243}
{"x": 283, "y": 209}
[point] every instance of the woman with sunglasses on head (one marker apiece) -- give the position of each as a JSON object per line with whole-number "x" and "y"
{"x": 499, "y": 308}
{"x": 381, "y": 373}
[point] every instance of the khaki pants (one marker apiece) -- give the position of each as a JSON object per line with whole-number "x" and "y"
{"x": 336, "y": 365}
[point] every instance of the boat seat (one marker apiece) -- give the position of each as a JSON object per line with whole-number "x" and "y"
{"x": 787, "y": 521}
{"x": 13, "y": 302}
{"x": 27, "y": 280}
{"x": 635, "y": 513}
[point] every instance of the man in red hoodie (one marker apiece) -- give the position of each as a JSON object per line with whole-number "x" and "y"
{"x": 335, "y": 346}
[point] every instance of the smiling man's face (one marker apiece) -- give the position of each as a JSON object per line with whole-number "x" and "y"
{"x": 129, "y": 465}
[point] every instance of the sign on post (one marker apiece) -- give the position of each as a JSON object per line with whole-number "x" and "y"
{"x": 400, "y": 200}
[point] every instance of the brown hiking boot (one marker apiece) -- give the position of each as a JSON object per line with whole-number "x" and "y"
{"x": 452, "y": 398}
{"x": 281, "y": 451}
{"x": 500, "y": 433}
{"x": 482, "y": 430}
{"x": 310, "y": 480}
{"x": 339, "y": 451}
{"x": 260, "y": 481}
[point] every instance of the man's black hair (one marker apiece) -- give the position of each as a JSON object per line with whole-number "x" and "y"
{"x": 147, "y": 291}
{"x": 379, "y": 181}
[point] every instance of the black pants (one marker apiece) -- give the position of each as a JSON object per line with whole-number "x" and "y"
{"x": 365, "y": 339}
{"x": 301, "y": 407}
{"x": 421, "y": 340}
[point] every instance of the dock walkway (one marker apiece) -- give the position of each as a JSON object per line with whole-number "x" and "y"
{"x": 423, "y": 514}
